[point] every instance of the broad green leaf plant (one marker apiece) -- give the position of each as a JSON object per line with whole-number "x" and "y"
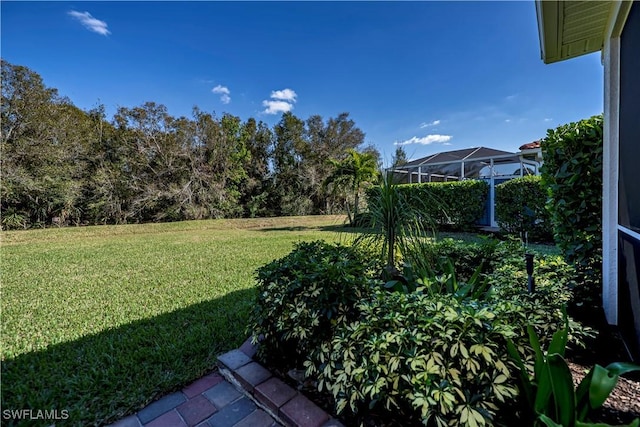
{"x": 549, "y": 395}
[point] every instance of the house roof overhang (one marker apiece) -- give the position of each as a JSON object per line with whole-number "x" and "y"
{"x": 571, "y": 28}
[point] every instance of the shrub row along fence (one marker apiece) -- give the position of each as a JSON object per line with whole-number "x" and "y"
{"x": 460, "y": 205}
{"x": 566, "y": 201}
{"x": 457, "y": 205}
{"x": 520, "y": 208}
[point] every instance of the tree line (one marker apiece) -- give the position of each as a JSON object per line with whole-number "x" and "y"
{"x": 63, "y": 165}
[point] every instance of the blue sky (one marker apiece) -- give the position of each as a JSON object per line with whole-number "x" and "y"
{"x": 432, "y": 76}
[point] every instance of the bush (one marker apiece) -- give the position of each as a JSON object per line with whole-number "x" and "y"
{"x": 572, "y": 171}
{"x": 466, "y": 257}
{"x": 458, "y": 204}
{"x": 463, "y": 202}
{"x": 301, "y": 297}
{"x": 520, "y": 208}
{"x": 436, "y": 358}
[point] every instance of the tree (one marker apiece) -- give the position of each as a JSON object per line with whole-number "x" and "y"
{"x": 352, "y": 172}
{"x": 330, "y": 140}
{"x": 156, "y": 161}
{"x": 400, "y": 157}
{"x": 289, "y": 190}
{"x": 258, "y": 139}
{"x": 61, "y": 164}
{"x": 45, "y": 150}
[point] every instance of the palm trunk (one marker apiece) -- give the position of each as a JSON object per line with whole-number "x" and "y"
{"x": 349, "y": 213}
{"x": 355, "y": 207}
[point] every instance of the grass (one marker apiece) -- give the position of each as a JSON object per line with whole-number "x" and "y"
{"x": 536, "y": 248}
{"x": 100, "y": 321}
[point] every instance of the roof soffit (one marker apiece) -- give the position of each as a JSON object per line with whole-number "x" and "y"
{"x": 571, "y": 28}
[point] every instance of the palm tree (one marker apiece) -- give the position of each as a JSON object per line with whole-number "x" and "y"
{"x": 352, "y": 172}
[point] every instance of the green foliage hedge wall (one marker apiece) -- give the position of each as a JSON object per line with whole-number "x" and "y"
{"x": 572, "y": 171}
{"x": 520, "y": 207}
{"x": 456, "y": 204}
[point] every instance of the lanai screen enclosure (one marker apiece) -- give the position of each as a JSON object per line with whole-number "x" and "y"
{"x": 470, "y": 163}
{"x": 487, "y": 164}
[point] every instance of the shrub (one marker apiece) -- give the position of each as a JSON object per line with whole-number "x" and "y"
{"x": 572, "y": 171}
{"x": 463, "y": 202}
{"x": 520, "y": 208}
{"x": 13, "y": 220}
{"x": 432, "y": 355}
{"x": 466, "y": 257}
{"x": 436, "y": 357}
{"x": 457, "y": 204}
{"x": 301, "y": 297}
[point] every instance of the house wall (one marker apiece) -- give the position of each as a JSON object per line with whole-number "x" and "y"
{"x": 629, "y": 183}
{"x": 610, "y": 178}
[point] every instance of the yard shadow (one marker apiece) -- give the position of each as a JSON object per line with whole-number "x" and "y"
{"x": 293, "y": 228}
{"x": 338, "y": 228}
{"x": 101, "y": 378}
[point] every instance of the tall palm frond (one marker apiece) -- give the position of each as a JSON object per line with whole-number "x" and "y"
{"x": 352, "y": 173}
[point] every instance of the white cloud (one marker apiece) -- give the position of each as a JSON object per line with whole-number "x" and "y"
{"x": 426, "y": 140}
{"x": 90, "y": 23}
{"x": 547, "y": 119}
{"x": 426, "y": 125}
{"x": 284, "y": 95}
{"x": 507, "y": 120}
{"x": 275, "y": 107}
{"x": 224, "y": 93}
{"x": 281, "y": 101}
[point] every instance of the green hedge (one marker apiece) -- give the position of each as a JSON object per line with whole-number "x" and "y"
{"x": 456, "y": 204}
{"x": 572, "y": 171}
{"x": 520, "y": 207}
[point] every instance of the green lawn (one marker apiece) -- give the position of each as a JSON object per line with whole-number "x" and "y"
{"x": 102, "y": 320}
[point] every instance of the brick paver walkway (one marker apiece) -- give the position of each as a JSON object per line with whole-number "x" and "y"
{"x": 242, "y": 393}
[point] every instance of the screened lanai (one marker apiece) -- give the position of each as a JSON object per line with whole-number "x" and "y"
{"x": 470, "y": 163}
{"x": 487, "y": 164}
